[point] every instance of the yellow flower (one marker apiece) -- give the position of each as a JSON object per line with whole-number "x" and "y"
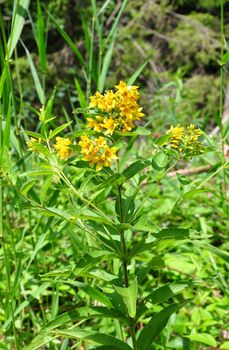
{"x": 94, "y": 124}
{"x": 186, "y": 141}
{"x": 191, "y": 140}
{"x": 62, "y": 147}
{"x": 110, "y": 125}
{"x": 176, "y": 133}
{"x": 32, "y": 144}
{"x": 119, "y": 109}
{"x": 97, "y": 152}
{"x": 96, "y": 100}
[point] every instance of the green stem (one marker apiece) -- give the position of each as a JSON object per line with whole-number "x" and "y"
{"x": 124, "y": 264}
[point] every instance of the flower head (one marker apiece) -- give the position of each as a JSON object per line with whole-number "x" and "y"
{"x": 191, "y": 140}
{"x": 176, "y": 133}
{"x": 185, "y": 140}
{"x": 97, "y": 152}
{"x": 62, "y": 147}
{"x": 119, "y": 109}
{"x": 32, "y": 144}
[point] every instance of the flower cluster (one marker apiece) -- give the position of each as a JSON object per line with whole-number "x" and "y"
{"x": 97, "y": 151}
{"x": 185, "y": 140}
{"x": 32, "y": 144}
{"x": 176, "y": 134}
{"x": 117, "y": 111}
{"x": 62, "y": 147}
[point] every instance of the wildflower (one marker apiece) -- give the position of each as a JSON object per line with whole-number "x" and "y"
{"x": 32, "y": 144}
{"x": 191, "y": 140}
{"x": 94, "y": 124}
{"x": 62, "y": 147}
{"x": 109, "y": 124}
{"x": 97, "y": 152}
{"x": 176, "y": 133}
{"x": 185, "y": 140}
{"x": 119, "y": 109}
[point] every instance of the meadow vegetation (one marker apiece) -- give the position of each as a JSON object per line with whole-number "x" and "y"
{"x": 113, "y": 175}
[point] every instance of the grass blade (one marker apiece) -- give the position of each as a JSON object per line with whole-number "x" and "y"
{"x": 41, "y": 38}
{"x": 66, "y": 37}
{"x": 18, "y": 21}
{"x": 39, "y": 89}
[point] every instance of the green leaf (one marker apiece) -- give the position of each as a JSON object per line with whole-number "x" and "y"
{"x": 196, "y": 192}
{"x": 94, "y": 337}
{"x": 116, "y": 178}
{"x": 36, "y": 135}
{"x": 39, "y": 245}
{"x": 87, "y": 214}
{"x": 33, "y": 173}
{"x": 216, "y": 251}
{"x": 56, "y": 131}
{"x": 105, "y": 66}
{"x": 18, "y": 21}
{"x": 88, "y": 262}
{"x": 82, "y": 313}
{"x": 137, "y": 132}
{"x": 66, "y": 38}
{"x": 184, "y": 180}
{"x": 135, "y": 168}
{"x": 129, "y": 295}
{"x": 104, "y": 347}
{"x": 37, "y": 83}
{"x": 160, "y": 161}
{"x": 93, "y": 292}
{"x": 49, "y": 211}
{"x": 86, "y": 111}
{"x": 225, "y": 58}
{"x": 101, "y": 275}
{"x": 140, "y": 69}
{"x": 204, "y": 338}
{"x": 217, "y": 119}
{"x": 127, "y": 209}
{"x": 156, "y": 325}
{"x": 162, "y": 140}
{"x": 41, "y": 38}
{"x": 33, "y": 294}
{"x": 115, "y": 24}
{"x": 159, "y": 296}
{"x": 81, "y": 96}
{"x": 172, "y": 233}
{"x": 39, "y": 341}
{"x": 225, "y": 346}
{"x": 27, "y": 186}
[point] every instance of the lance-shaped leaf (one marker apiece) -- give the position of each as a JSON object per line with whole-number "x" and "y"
{"x": 18, "y": 21}
{"x": 94, "y": 337}
{"x": 172, "y": 233}
{"x": 83, "y": 313}
{"x": 56, "y": 131}
{"x": 159, "y": 296}
{"x": 135, "y": 168}
{"x": 156, "y": 325}
{"x": 129, "y": 296}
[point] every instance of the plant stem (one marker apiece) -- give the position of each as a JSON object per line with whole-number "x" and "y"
{"x": 124, "y": 264}
{"x": 122, "y": 238}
